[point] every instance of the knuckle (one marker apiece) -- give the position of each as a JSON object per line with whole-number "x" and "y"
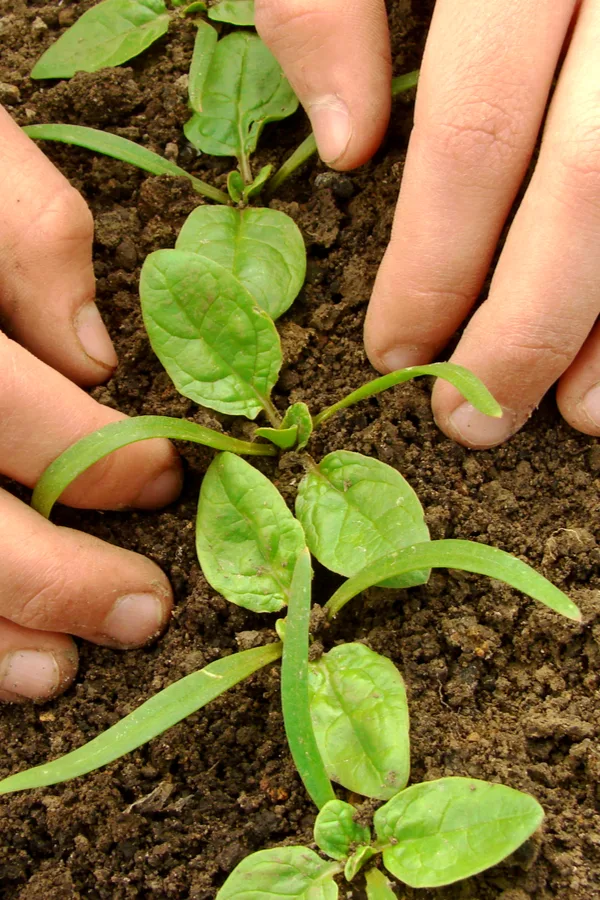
{"x": 291, "y": 27}
{"x": 44, "y": 597}
{"x": 578, "y": 157}
{"x": 63, "y": 218}
{"x": 543, "y": 346}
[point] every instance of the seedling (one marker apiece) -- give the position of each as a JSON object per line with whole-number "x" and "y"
{"x": 209, "y": 307}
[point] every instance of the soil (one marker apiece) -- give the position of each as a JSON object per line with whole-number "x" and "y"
{"x": 499, "y": 687}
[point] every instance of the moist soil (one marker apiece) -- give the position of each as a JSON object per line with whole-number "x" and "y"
{"x": 499, "y": 687}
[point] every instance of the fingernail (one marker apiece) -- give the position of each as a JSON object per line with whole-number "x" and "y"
{"x": 591, "y": 405}
{"x": 332, "y": 125}
{"x": 404, "y": 356}
{"x": 135, "y": 619}
{"x": 480, "y": 431}
{"x": 94, "y": 337}
{"x": 33, "y": 674}
{"x": 162, "y": 490}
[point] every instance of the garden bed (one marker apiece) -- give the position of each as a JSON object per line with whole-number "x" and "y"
{"x": 499, "y": 688}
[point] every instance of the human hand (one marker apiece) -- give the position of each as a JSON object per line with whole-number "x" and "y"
{"x": 55, "y": 581}
{"x": 485, "y": 81}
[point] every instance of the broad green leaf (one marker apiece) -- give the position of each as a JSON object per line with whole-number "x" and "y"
{"x": 451, "y": 554}
{"x": 441, "y": 831}
{"x": 254, "y": 189}
{"x": 204, "y": 48}
{"x": 243, "y": 90}
{"x": 355, "y": 510}
{"x": 160, "y": 712}
{"x": 378, "y": 887}
{"x": 284, "y": 438}
{"x": 219, "y": 348}
{"x": 296, "y": 873}
{"x": 246, "y": 537}
{"x": 299, "y": 414}
{"x": 263, "y": 248}
{"x": 360, "y": 717}
{"x": 106, "y": 35}
{"x": 359, "y": 858}
{"x": 336, "y": 830}
{"x": 236, "y": 12}
{"x": 122, "y": 149}
{"x": 235, "y": 186}
{"x": 95, "y": 446}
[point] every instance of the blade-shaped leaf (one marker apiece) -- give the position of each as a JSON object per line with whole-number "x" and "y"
{"x": 171, "y": 705}
{"x": 284, "y": 438}
{"x": 359, "y": 858}
{"x": 354, "y": 510}
{"x": 106, "y": 35}
{"x": 441, "y": 831}
{"x": 336, "y": 830}
{"x": 263, "y": 248}
{"x": 360, "y": 717}
{"x": 246, "y": 537}
{"x": 296, "y": 873}
{"x": 299, "y": 414}
{"x": 204, "y": 48}
{"x": 378, "y": 887}
{"x": 243, "y": 90}
{"x": 236, "y": 12}
{"x": 219, "y": 348}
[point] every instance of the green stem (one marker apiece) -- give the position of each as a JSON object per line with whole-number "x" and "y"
{"x": 271, "y": 412}
{"x": 472, "y": 389}
{"x": 294, "y": 688}
{"x": 124, "y": 150}
{"x": 245, "y": 168}
{"x": 309, "y": 145}
{"x": 93, "y": 447}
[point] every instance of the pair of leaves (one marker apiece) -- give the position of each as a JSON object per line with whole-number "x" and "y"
{"x": 295, "y": 430}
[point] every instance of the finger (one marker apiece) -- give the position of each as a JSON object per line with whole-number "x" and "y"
{"x": 46, "y": 276}
{"x": 578, "y": 394}
{"x": 34, "y": 665}
{"x": 336, "y": 56}
{"x": 545, "y": 295}
{"x": 59, "y": 580}
{"x": 44, "y": 412}
{"x": 485, "y": 79}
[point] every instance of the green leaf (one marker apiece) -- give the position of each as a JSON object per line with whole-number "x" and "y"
{"x": 296, "y": 873}
{"x": 466, "y": 555}
{"x": 299, "y": 414}
{"x": 441, "y": 831}
{"x": 359, "y": 858}
{"x": 378, "y": 887}
{"x": 236, "y": 12}
{"x": 95, "y": 446}
{"x": 247, "y": 539}
{"x": 355, "y": 510}
{"x": 160, "y": 712}
{"x": 360, "y": 716}
{"x": 235, "y": 186}
{"x": 284, "y": 438}
{"x": 219, "y": 348}
{"x": 204, "y": 48}
{"x": 243, "y": 90}
{"x": 336, "y": 830}
{"x": 254, "y": 189}
{"x": 106, "y": 35}
{"x": 263, "y": 248}
{"x": 122, "y": 149}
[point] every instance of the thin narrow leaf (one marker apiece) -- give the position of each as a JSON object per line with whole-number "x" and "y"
{"x": 466, "y": 555}
{"x": 472, "y": 389}
{"x": 236, "y": 12}
{"x": 204, "y": 48}
{"x": 360, "y": 717}
{"x": 294, "y": 688}
{"x": 299, "y": 414}
{"x": 441, "y": 831}
{"x": 359, "y": 858}
{"x": 255, "y": 189}
{"x": 94, "y": 447}
{"x": 284, "y": 438}
{"x": 336, "y": 831}
{"x": 160, "y": 712}
{"x": 247, "y": 539}
{"x": 219, "y": 348}
{"x": 243, "y": 90}
{"x": 263, "y": 248}
{"x": 378, "y": 887}
{"x": 295, "y": 873}
{"x": 355, "y": 510}
{"x": 108, "y": 34}
{"x": 235, "y": 186}
{"x": 122, "y": 149}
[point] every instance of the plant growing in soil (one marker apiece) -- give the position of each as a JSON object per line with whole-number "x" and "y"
{"x": 209, "y": 307}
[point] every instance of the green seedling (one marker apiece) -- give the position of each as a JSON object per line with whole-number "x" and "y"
{"x": 210, "y": 306}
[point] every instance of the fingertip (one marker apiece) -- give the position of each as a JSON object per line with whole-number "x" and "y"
{"x": 34, "y": 665}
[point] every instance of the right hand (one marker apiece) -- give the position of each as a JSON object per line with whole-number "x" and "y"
{"x": 55, "y": 581}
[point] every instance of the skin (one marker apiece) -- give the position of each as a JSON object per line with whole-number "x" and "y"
{"x": 485, "y": 83}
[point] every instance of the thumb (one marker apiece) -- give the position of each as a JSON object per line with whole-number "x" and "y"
{"x": 336, "y": 55}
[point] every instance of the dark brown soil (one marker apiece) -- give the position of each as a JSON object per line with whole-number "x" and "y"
{"x": 499, "y": 687}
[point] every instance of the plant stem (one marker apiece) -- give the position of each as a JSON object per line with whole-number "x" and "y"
{"x": 245, "y": 168}
{"x": 271, "y": 412}
{"x": 93, "y": 447}
{"x": 294, "y": 688}
{"x": 309, "y": 145}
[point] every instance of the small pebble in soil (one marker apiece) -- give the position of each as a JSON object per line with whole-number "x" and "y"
{"x": 9, "y": 94}
{"x": 340, "y": 185}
